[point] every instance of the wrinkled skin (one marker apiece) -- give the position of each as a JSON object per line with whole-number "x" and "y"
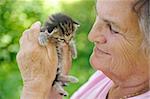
{"x": 38, "y": 65}
{"x": 116, "y": 32}
{"x": 122, "y": 59}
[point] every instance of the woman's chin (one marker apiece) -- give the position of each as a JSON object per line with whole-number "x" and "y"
{"x": 100, "y": 63}
{"x": 95, "y": 62}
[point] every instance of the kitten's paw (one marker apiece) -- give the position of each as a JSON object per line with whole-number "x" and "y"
{"x": 59, "y": 89}
{"x": 43, "y": 39}
{"x": 64, "y": 83}
{"x": 66, "y": 78}
{"x": 73, "y": 49}
{"x": 73, "y": 79}
{"x": 74, "y": 56}
{"x": 64, "y": 93}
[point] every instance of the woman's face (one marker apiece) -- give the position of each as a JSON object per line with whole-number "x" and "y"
{"x": 117, "y": 38}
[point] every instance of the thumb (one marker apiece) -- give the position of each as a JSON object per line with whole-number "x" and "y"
{"x": 67, "y": 59}
{"x": 35, "y": 30}
{"x": 52, "y": 54}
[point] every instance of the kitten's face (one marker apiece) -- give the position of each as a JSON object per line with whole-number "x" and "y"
{"x": 61, "y": 28}
{"x": 65, "y": 36}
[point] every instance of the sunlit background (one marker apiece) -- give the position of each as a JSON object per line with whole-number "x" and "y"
{"x": 18, "y": 15}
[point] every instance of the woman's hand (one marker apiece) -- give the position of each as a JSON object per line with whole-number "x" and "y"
{"x": 38, "y": 65}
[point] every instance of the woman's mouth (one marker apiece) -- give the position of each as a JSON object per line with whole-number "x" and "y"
{"x": 100, "y": 51}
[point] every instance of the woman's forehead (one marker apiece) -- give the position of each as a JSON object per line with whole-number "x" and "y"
{"x": 112, "y": 10}
{"x": 118, "y": 12}
{"x": 114, "y": 3}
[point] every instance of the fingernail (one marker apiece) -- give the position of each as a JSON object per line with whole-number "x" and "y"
{"x": 36, "y": 24}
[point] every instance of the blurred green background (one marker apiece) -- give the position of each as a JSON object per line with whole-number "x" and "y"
{"x": 18, "y": 15}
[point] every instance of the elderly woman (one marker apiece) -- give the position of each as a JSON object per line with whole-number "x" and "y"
{"x": 121, "y": 54}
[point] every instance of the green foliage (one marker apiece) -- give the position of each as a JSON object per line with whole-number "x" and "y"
{"x": 18, "y": 15}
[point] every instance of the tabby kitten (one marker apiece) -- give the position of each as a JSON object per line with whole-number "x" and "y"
{"x": 60, "y": 29}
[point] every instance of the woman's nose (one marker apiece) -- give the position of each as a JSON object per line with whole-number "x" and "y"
{"x": 97, "y": 36}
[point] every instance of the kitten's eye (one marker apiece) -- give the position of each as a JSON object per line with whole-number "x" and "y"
{"x": 112, "y": 30}
{"x": 67, "y": 34}
{"x": 61, "y": 39}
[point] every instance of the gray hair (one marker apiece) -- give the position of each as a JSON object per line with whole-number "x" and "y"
{"x": 142, "y": 8}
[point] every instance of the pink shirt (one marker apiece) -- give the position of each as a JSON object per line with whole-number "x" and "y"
{"x": 98, "y": 86}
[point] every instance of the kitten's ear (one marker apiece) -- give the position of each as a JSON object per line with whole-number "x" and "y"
{"x": 76, "y": 25}
{"x": 55, "y": 30}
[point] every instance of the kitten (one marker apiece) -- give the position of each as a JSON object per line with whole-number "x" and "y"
{"x": 60, "y": 29}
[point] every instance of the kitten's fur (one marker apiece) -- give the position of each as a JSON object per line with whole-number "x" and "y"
{"x": 60, "y": 29}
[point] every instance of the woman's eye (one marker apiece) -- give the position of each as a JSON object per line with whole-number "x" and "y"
{"x": 112, "y": 30}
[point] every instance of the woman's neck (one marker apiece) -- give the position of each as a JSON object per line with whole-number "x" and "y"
{"x": 136, "y": 84}
{"x": 117, "y": 92}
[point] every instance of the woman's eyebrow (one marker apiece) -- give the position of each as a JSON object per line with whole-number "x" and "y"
{"x": 109, "y": 21}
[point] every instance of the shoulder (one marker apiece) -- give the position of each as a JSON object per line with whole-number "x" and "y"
{"x": 97, "y": 82}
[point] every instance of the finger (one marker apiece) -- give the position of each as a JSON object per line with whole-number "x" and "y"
{"x": 18, "y": 58}
{"x": 51, "y": 50}
{"x": 35, "y": 30}
{"x": 24, "y": 37}
{"x": 21, "y": 59}
{"x": 67, "y": 59}
{"x": 20, "y": 55}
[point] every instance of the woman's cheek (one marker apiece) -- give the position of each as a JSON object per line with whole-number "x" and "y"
{"x": 122, "y": 57}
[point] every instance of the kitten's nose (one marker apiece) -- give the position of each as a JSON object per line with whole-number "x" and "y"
{"x": 67, "y": 41}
